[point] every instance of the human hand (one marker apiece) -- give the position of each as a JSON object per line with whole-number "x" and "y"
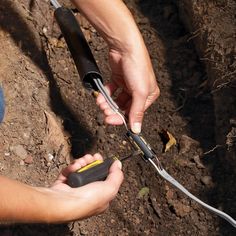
{"x": 91, "y": 199}
{"x": 133, "y": 77}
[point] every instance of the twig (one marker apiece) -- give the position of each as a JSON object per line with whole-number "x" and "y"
{"x": 213, "y": 149}
{"x": 194, "y": 34}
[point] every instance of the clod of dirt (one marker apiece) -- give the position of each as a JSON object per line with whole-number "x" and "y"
{"x": 186, "y": 143}
{"x": 169, "y": 194}
{"x": 156, "y": 207}
{"x": 55, "y": 139}
{"x": 179, "y": 208}
{"x": 54, "y": 42}
{"x": 198, "y": 162}
{"x": 231, "y": 138}
{"x": 19, "y": 151}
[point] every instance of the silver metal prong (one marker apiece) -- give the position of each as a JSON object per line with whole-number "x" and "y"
{"x": 55, "y": 3}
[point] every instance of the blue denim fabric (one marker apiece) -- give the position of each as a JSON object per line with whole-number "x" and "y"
{"x": 2, "y": 105}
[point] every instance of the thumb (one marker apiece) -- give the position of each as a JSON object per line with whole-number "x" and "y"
{"x": 137, "y": 112}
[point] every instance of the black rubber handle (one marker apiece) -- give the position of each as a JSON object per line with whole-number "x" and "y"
{"x": 140, "y": 143}
{"x": 78, "y": 46}
{"x": 96, "y": 173}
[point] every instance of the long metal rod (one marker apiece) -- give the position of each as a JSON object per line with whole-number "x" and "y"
{"x": 174, "y": 182}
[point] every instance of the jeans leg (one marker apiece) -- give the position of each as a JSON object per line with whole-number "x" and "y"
{"x": 2, "y": 105}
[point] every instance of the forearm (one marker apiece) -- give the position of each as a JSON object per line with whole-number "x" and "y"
{"x": 113, "y": 21}
{"x": 22, "y": 203}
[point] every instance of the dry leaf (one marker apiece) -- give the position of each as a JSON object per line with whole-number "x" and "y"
{"x": 169, "y": 140}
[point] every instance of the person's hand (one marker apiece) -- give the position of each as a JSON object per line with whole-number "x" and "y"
{"x": 130, "y": 63}
{"x": 88, "y": 200}
{"x": 133, "y": 77}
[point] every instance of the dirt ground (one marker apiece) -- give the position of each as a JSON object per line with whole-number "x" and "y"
{"x": 49, "y": 116}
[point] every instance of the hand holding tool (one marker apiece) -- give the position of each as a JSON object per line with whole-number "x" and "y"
{"x": 95, "y": 171}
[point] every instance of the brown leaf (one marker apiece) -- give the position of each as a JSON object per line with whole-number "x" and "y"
{"x": 169, "y": 140}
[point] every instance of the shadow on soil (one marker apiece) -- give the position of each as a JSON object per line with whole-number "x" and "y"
{"x": 12, "y": 22}
{"x": 187, "y": 75}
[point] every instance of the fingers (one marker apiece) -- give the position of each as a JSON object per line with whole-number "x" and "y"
{"x": 77, "y": 164}
{"x": 110, "y": 88}
{"x": 137, "y": 111}
{"x": 140, "y": 102}
{"x": 114, "y": 179}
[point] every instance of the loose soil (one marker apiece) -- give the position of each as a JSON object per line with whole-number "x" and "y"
{"x": 49, "y": 115}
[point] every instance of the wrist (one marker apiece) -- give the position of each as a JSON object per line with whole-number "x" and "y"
{"x": 54, "y": 209}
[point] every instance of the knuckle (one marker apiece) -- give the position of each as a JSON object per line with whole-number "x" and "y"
{"x": 138, "y": 114}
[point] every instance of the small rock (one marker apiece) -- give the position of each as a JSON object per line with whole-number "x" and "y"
{"x": 22, "y": 163}
{"x": 199, "y": 164}
{"x": 207, "y": 180}
{"x": 45, "y": 30}
{"x": 7, "y": 154}
{"x": 19, "y": 151}
{"x": 156, "y": 207}
{"x": 181, "y": 209}
{"x": 141, "y": 210}
{"x": 28, "y": 160}
{"x": 124, "y": 142}
{"x": 49, "y": 157}
{"x": 26, "y": 136}
{"x": 169, "y": 194}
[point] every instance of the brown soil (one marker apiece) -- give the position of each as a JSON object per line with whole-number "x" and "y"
{"x": 45, "y": 101}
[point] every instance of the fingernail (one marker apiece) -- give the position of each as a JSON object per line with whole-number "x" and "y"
{"x": 120, "y": 164}
{"x": 136, "y": 128}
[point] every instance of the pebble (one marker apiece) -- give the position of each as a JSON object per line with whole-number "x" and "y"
{"x": 19, "y": 151}
{"x": 124, "y": 142}
{"x": 198, "y": 162}
{"x": 28, "y": 160}
{"x": 22, "y": 163}
{"x": 206, "y": 180}
{"x": 7, "y": 154}
{"x": 181, "y": 209}
{"x": 113, "y": 221}
{"x": 49, "y": 157}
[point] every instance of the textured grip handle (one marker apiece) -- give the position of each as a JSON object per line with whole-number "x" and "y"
{"x": 96, "y": 173}
{"x": 78, "y": 46}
